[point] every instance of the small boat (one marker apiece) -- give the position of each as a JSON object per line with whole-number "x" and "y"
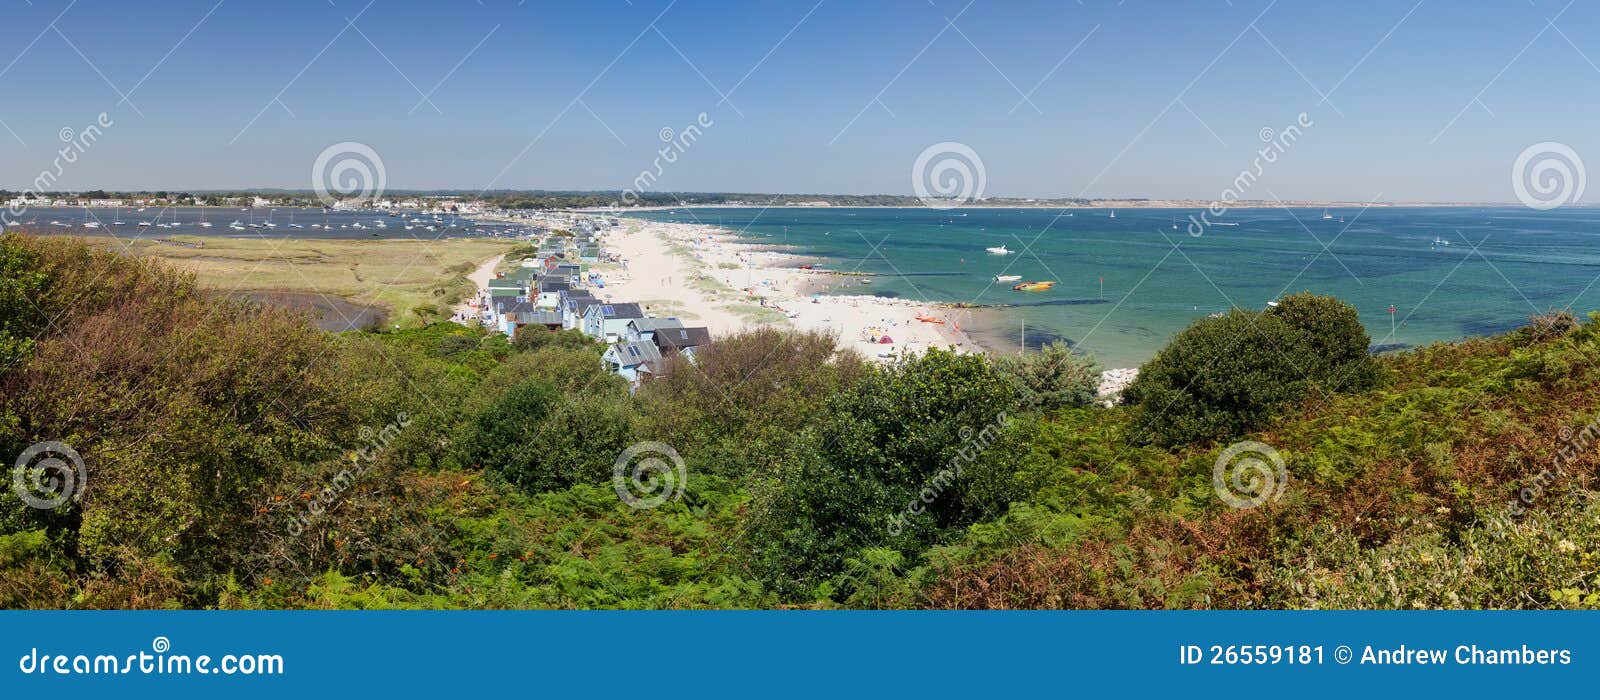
{"x": 1325, "y": 215}
{"x": 930, "y": 319}
{"x": 866, "y": 281}
{"x": 1033, "y": 286}
{"x": 1440, "y": 241}
{"x": 1113, "y": 213}
{"x": 999, "y": 250}
{"x": 806, "y": 266}
{"x": 1007, "y": 278}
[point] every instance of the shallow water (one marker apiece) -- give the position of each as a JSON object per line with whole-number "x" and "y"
{"x": 1501, "y": 265}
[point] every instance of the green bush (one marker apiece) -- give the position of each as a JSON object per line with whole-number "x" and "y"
{"x": 539, "y": 440}
{"x": 745, "y": 396}
{"x": 888, "y": 468}
{"x": 501, "y": 439}
{"x": 1220, "y": 377}
{"x": 1227, "y": 375}
{"x": 533, "y": 338}
{"x": 1340, "y": 358}
{"x": 1054, "y": 378}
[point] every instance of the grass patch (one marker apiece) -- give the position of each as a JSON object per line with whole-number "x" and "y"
{"x": 393, "y": 274}
{"x": 754, "y": 313}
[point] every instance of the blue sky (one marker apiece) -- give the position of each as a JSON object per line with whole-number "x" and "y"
{"x": 1424, "y": 101}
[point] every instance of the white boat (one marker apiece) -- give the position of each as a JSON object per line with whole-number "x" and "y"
{"x": 1326, "y": 215}
{"x": 1113, "y": 214}
{"x": 1007, "y": 278}
{"x": 1440, "y": 241}
{"x": 92, "y": 224}
{"x": 1000, "y": 250}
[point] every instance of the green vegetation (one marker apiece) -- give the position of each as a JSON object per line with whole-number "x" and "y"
{"x": 1229, "y": 374}
{"x": 1054, "y": 378}
{"x": 417, "y": 282}
{"x": 237, "y": 457}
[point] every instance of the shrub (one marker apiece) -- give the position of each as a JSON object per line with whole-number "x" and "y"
{"x": 1220, "y": 377}
{"x": 1226, "y": 375}
{"x": 502, "y": 438}
{"x": 539, "y": 440}
{"x": 1055, "y": 377}
{"x": 746, "y": 394}
{"x": 1340, "y": 359}
{"x": 1550, "y": 325}
{"x": 888, "y": 468}
{"x": 532, "y": 338}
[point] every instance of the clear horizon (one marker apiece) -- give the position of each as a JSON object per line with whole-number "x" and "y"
{"x": 1403, "y": 102}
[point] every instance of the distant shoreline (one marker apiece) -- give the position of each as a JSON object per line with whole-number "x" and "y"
{"x": 1102, "y": 204}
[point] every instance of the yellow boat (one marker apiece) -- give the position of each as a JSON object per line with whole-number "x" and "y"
{"x": 1033, "y": 286}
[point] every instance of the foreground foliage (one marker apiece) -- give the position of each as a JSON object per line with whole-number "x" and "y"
{"x": 239, "y": 458}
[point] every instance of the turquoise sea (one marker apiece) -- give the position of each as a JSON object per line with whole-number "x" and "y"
{"x": 1449, "y": 272}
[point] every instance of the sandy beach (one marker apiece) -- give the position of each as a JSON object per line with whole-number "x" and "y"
{"x": 707, "y": 276}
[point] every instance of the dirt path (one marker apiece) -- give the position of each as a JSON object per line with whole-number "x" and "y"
{"x": 479, "y": 277}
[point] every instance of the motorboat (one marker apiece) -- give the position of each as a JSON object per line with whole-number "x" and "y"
{"x": 998, "y": 250}
{"x": 1007, "y": 278}
{"x": 1033, "y": 286}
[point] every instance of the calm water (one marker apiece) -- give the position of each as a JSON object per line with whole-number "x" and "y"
{"x": 1501, "y": 266}
{"x": 313, "y": 223}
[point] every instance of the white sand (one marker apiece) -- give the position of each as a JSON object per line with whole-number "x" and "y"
{"x": 739, "y": 276}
